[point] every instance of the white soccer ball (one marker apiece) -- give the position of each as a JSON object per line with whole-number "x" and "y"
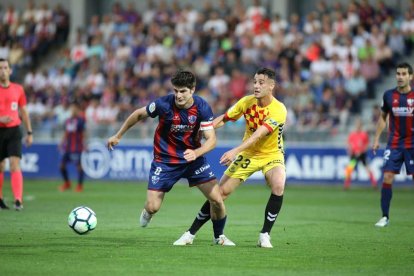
{"x": 82, "y": 220}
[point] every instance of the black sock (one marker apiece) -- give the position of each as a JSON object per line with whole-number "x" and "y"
{"x": 272, "y": 211}
{"x": 218, "y": 226}
{"x": 64, "y": 174}
{"x": 202, "y": 217}
{"x": 81, "y": 176}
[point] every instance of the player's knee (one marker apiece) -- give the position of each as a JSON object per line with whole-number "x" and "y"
{"x": 14, "y": 167}
{"x": 278, "y": 189}
{"x": 224, "y": 194}
{"x": 152, "y": 207}
{"x": 388, "y": 178}
{"x": 216, "y": 203}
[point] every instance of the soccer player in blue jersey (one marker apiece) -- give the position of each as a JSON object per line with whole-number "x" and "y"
{"x": 397, "y": 107}
{"x": 72, "y": 146}
{"x": 178, "y": 152}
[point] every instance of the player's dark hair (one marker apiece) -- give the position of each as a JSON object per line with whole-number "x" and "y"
{"x": 184, "y": 79}
{"x": 406, "y": 66}
{"x": 4, "y": 60}
{"x": 267, "y": 72}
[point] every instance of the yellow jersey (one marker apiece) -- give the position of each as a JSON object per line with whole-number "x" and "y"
{"x": 273, "y": 117}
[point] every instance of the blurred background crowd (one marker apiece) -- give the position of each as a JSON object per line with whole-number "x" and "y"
{"x": 333, "y": 63}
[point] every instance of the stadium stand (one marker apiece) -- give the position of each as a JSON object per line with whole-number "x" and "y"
{"x": 331, "y": 62}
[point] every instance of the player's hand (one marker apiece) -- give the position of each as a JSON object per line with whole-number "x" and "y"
{"x": 228, "y": 157}
{"x": 112, "y": 142}
{"x": 5, "y": 119}
{"x": 29, "y": 140}
{"x": 375, "y": 146}
{"x": 190, "y": 155}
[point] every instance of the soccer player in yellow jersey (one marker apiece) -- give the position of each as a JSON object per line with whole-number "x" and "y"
{"x": 261, "y": 149}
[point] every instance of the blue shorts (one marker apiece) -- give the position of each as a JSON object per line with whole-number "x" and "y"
{"x": 74, "y": 157}
{"x": 394, "y": 158}
{"x": 162, "y": 176}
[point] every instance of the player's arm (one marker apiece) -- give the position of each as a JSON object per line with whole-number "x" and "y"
{"x": 135, "y": 117}
{"x": 381, "y": 124}
{"x": 229, "y": 156}
{"x": 27, "y": 124}
{"x": 220, "y": 121}
{"x": 233, "y": 114}
{"x": 209, "y": 144}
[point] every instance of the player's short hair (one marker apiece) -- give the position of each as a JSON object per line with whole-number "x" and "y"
{"x": 267, "y": 72}
{"x": 406, "y": 66}
{"x": 4, "y": 60}
{"x": 184, "y": 79}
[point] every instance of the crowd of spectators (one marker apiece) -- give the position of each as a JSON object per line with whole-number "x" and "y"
{"x": 326, "y": 61}
{"x": 26, "y": 36}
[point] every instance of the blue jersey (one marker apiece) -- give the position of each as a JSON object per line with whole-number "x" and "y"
{"x": 178, "y": 129}
{"x": 74, "y": 134}
{"x": 400, "y": 107}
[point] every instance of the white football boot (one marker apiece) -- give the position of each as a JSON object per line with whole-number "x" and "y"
{"x": 382, "y": 222}
{"x": 264, "y": 240}
{"x": 145, "y": 218}
{"x": 185, "y": 239}
{"x": 223, "y": 240}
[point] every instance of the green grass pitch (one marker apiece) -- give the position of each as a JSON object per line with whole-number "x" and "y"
{"x": 321, "y": 230}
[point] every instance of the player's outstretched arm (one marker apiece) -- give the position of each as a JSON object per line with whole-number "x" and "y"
{"x": 135, "y": 117}
{"x": 230, "y": 155}
{"x": 380, "y": 127}
{"x": 219, "y": 121}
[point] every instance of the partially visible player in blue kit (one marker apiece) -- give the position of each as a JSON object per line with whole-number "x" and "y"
{"x": 397, "y": 109}
{"x": 178, "y": 152}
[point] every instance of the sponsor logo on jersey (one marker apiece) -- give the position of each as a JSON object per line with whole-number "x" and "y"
{"x": 272, "y": 122}
{"x": 410, "y": 102}
{"x": 403, "y": 111}
{"x": 181, "y": 128}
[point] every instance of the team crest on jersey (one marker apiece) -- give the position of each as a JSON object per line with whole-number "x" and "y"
{"x": 192, "y": 119}
{"x": 410, "y": 102}
{"x": 14, "y": 106}
{"x": 151, "y": 107}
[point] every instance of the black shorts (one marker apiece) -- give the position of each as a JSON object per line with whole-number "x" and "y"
{"x": 10, "y": 142}
{"x": 360, "y": 158}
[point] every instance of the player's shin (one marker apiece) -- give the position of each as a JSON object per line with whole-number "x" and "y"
{"x": 64, "y": 173}
{"x": 81, "y": 176}
{"x": 272, "y": 210}
{"x": 202, "y": 217}
{"x": 386, "y": 196}
{"x": 17, "y": 185}
{"x": 348, "y": 172}
{"x": 218, "y": 226}
{"x": 1, "y": 184}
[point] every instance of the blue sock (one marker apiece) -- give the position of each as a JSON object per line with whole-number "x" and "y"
{"x": 218, "y": 226}
{"x": 386, "y": 195}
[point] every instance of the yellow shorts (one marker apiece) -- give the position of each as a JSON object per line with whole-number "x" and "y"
{"x": 246, "y": 164}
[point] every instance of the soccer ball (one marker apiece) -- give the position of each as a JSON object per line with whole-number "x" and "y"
{"x": 82, "y": 220}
